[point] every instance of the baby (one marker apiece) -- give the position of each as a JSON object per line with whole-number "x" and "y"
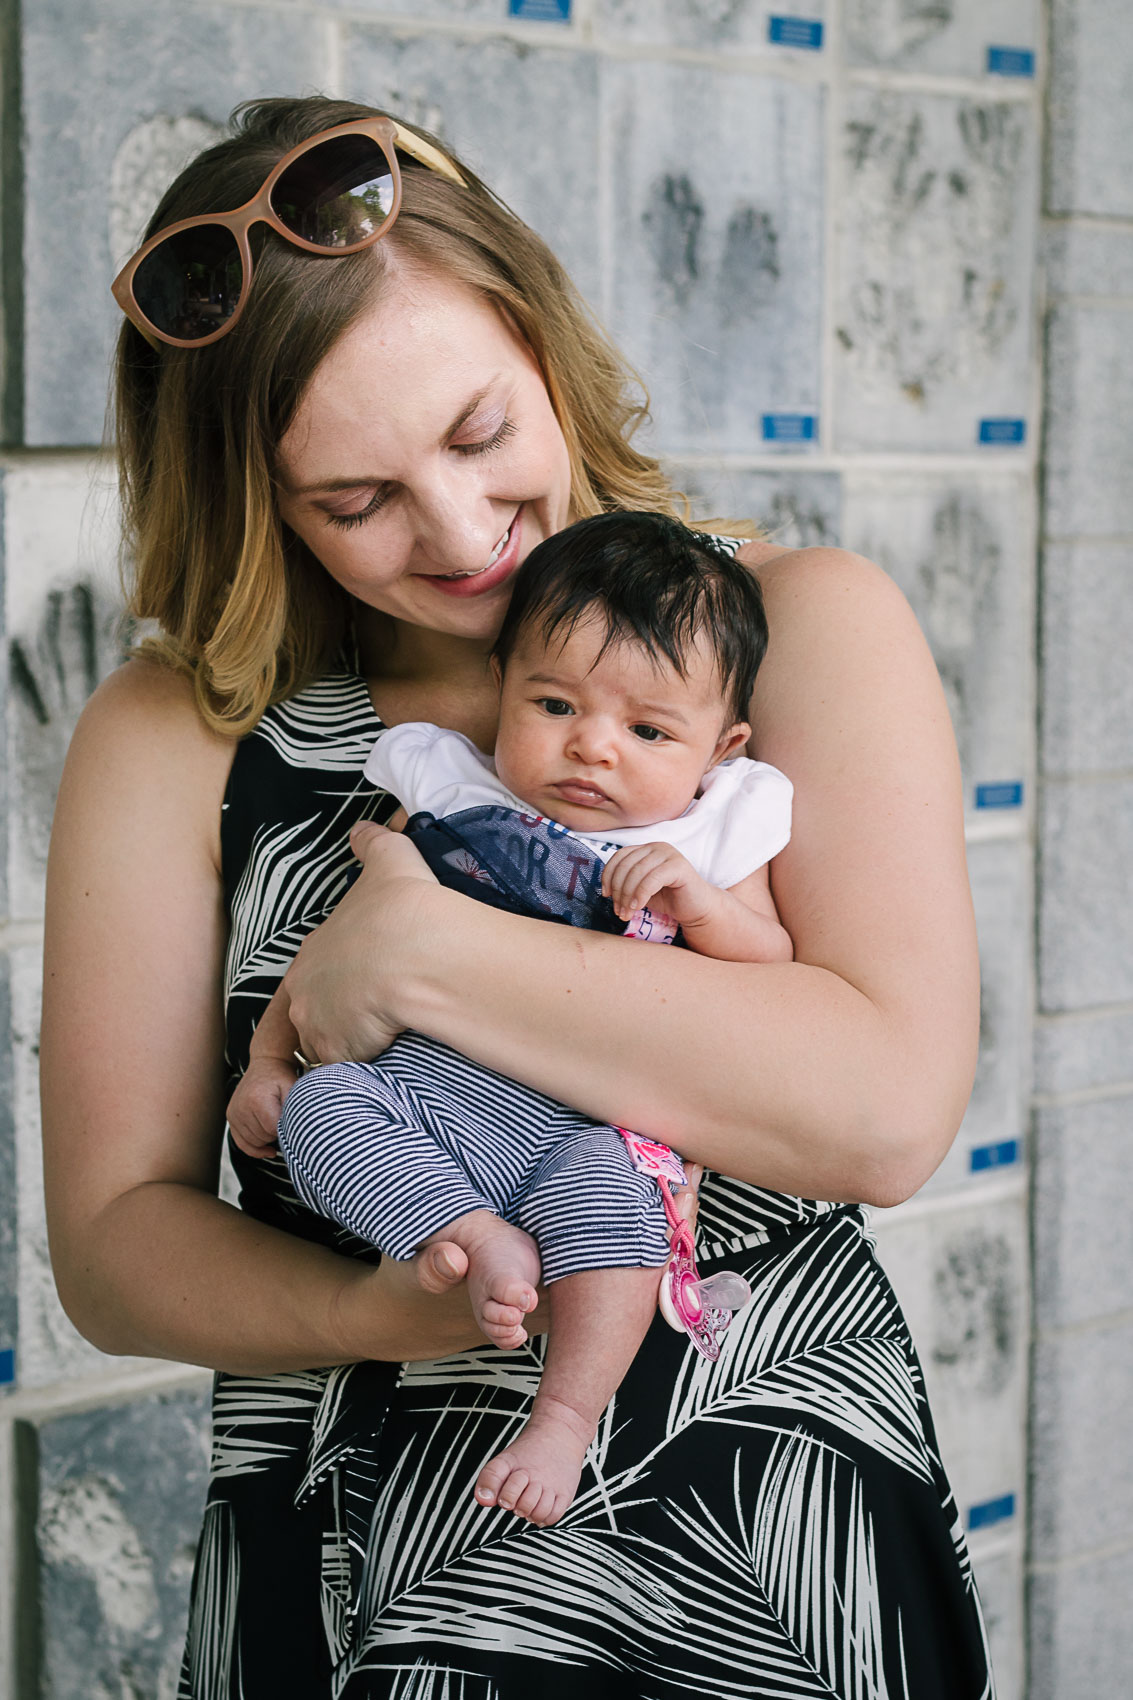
{"x": 625, "y": 665}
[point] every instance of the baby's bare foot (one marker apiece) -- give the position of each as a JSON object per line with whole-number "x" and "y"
{"x": 503, "y": 1269}
{"x": 537, "y": 1475}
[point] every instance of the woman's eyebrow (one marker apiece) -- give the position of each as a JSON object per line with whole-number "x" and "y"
{"x": 326, "y": 486}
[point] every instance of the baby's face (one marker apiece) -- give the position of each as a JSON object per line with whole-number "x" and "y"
{"x": 602, "y": 744}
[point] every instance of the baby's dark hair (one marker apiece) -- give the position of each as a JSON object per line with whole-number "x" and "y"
{"x": 654, "y": 582}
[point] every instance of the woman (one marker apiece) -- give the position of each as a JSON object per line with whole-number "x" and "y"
{"x": 357, "y": 469}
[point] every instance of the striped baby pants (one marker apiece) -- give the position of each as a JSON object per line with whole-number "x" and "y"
{"x": 397, "y": 1149}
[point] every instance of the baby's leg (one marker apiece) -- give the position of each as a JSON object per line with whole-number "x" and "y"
{"x": 372, "y": 1147}
{"x": 601, "y": 1232}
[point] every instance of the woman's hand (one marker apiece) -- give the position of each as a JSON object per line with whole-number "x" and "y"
{"x": 345, "y": 980}
{"x": 429, "y": 1297}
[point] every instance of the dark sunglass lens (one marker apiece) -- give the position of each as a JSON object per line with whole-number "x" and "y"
{"x": 190, "y": 284}
{"x": 336, "y": 194}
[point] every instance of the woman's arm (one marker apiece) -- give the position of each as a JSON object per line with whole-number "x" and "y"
{"x": 147, "y": 1259}
{"x": 843, "y": 1074}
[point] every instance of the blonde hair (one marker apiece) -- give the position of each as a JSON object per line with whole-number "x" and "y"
{"x": 241, "y": 603}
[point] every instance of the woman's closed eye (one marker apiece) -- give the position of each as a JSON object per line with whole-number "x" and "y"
{"x": 381, "y": 496}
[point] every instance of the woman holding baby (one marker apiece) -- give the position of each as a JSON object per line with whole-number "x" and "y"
{"x": 348, "y": 413}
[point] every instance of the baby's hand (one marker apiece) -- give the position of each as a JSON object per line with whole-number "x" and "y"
{"x": 657, "y": 875}
{"x": 253, "y": 1114}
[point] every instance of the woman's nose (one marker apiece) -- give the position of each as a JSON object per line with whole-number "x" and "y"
{"x": 457, "y": 535}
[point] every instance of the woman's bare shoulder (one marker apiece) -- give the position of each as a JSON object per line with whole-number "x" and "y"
{"x": 141, "y": 742}
{"x": 816, "y": 576}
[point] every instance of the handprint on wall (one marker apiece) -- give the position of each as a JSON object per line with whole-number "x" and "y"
{"x": 80, "y": 636}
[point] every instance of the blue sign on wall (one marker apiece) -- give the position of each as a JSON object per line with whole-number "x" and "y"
{"x": 1003, "y": 430}
{"x": 1008, "y": 795}
{"x": 1010, "y": 62}
{"x": 994, "y": 1156}
{"x": 7, "y": 1365}
{"x": 795, "y": 32}
{"x": 991, "y": 1511}
{"x": 543, "y": 11}
{"x": 789, "y": 427}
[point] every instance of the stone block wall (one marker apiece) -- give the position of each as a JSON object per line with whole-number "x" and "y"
{"x": 1081, "y": 1459}
{"x": 813, "y": 224}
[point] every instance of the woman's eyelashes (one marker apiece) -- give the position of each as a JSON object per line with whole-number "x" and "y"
{"x": 380, "y": 497}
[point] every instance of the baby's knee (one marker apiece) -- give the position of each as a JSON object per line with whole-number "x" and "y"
{"x": 319, "y": 1101}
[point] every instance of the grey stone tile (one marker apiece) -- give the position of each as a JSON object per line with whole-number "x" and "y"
{"x": 444, "y": 11}
{"x": 120, "y": 1493}
{"x": 716, "y": 239}
{"x": 960, "y": 1274}
{"x": 1091, "y": 66}
{"x": 1089, "y": 421}
{"x": 710, "y": 25}
{"x": 62, "y": 608}
{"x": 794, "y": 507}
{"x": 1077, "y": 1051}
{"x": 1081, "y": 1483}
{"x": 9, "y": 1212}
{"x": 999, "y": 1579}
{"x": 1087, "y": 607}
{"x": 1080, "y": 1645}
{"x": 960, "y": 550}
{"x": 992, "y": 1140}
{"x": 1080, "y": 258}
{"x": 86, "y": 91}
{"x": 935, "y": 269}
{"x": 51, "y": 1349}
{"x": 1083, "y": 1229}
{"x": 942, "y": 36}
{"x": 1085, "y": 922}
{"x": 524, "y": 117}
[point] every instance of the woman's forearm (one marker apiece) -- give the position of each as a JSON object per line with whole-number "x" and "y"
{"x": 782, "y": 1074}
{"x": 168, "y": 1271}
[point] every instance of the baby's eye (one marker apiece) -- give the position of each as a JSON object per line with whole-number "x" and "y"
{"x": 554, "y": 705}
{"x": 648, "y": 734}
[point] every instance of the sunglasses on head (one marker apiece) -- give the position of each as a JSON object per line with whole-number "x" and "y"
{"x": 334, "y": 194}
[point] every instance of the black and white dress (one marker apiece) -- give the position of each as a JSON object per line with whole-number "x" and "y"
{"x": 777, "y": 1524}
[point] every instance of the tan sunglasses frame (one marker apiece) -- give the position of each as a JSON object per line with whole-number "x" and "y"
{"x": 388, "y": 135}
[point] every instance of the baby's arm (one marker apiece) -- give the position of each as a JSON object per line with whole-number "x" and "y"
{"x": 737, "y": 925}
{"x": 253, "y": 1113}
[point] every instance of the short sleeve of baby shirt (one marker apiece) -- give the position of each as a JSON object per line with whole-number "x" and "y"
{"x": 428, "y": 768}
{"x": 744, "y": 814}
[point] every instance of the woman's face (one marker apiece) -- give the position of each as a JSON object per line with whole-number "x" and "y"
{"x": 425, "y": 461}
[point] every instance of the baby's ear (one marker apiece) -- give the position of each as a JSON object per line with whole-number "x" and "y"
{"x": 731, "y": 741}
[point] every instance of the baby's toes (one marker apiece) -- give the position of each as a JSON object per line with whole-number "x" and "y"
{"x": 509, "y": 1495}
{"x": 550, "y": 1508}
{"x": 491, "y": 1479}
{"x": 529, "y": 1500}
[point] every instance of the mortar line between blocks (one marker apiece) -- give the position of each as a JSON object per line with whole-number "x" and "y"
{"x": 972, "y": 1195}
{"x": 1052, "y": 1100}
{"x": 832, "y": 200}
{"x": 1075, "y": 1561}
{"x": 66, "y": 1398}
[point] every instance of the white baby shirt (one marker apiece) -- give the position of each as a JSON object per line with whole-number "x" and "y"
{"x": 741, "y": 818}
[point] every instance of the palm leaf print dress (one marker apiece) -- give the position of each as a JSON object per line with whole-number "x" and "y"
{"x": 775, "y": 1525}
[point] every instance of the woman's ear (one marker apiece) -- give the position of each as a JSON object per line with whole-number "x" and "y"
{"x": 731, "y": 740}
